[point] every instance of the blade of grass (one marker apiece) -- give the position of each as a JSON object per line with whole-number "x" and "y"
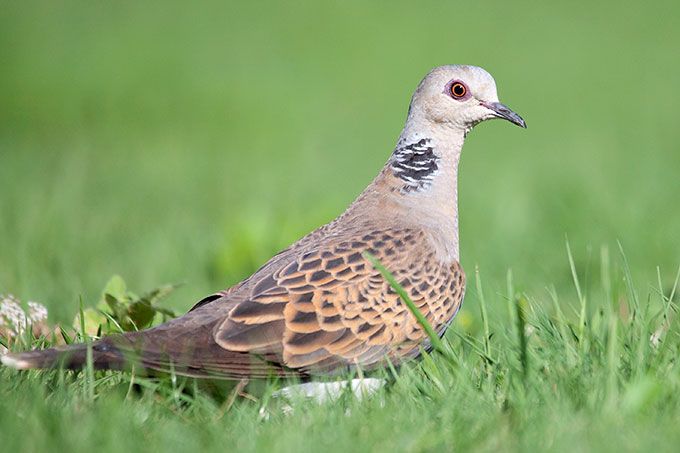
{"x": 612, "y": 359}
{"x": 563, "y": 326}
{"x": 668, "y": 302}
{"x": 89, "y": 363}
{"x": 131, "y": 385}
{"x": 581, "y": 299}
{"x": 510, "y": 291}
{"x": 629, "y": 279}
{"x": 474, "y": 347}
{"x": 638, "y": 329}
{"x": 521, "y": 307}
{"x": 485, "y": 318}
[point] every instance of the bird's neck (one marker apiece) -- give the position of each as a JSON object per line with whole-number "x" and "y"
{"x": 419, "y": 185}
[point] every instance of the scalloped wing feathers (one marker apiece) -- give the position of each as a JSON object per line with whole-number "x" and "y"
{"x": 328, "y": 309}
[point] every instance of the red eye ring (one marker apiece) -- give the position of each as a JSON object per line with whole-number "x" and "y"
{"x": 458, "y": 90}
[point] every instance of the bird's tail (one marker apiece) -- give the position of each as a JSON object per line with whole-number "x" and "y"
{"x": 184, "y": 346}
{"x": 105, "y": 355}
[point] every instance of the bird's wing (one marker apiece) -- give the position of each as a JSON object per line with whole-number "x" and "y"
{"x": 328, "y": 307}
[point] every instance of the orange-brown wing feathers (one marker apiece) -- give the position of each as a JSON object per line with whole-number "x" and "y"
{"x": 329, "y": 308}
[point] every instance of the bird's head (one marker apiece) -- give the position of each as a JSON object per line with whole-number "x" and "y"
{"x": 460, "y": 97}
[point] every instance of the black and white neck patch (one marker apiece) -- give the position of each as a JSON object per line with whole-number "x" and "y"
{"x": 415, "y": 164}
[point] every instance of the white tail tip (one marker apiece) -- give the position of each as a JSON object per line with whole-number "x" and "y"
{"x": 13, "y": 362}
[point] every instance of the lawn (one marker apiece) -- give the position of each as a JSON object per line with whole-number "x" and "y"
{"x": 175, "y": 144}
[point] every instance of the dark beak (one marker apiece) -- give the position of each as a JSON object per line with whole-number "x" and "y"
{"x": 501, "y": 111}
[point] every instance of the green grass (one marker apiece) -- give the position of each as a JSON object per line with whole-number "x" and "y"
{"x": 177, "y": 145}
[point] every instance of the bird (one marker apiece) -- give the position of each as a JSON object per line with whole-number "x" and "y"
{"x": 320, "y": 307}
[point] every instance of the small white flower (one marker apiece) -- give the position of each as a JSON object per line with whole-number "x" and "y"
{"x": 37, "y": 312}
{"x": 14, "y": 320}
{"x": 13, "y": 314}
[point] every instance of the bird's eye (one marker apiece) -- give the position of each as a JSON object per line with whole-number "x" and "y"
{"x": 458, "y": 90}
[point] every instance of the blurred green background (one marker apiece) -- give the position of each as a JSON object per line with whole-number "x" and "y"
{"x": 177, "y": 142}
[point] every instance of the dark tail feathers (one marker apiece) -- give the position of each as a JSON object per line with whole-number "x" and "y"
{"x": 104, "y": 356}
